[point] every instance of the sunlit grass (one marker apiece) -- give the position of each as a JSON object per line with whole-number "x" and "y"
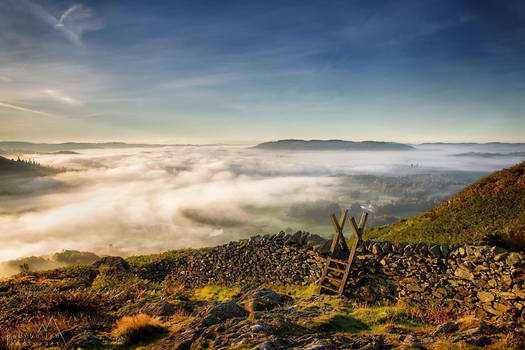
{"x": 216, "y": 292}
{"x": 296, "y": 291}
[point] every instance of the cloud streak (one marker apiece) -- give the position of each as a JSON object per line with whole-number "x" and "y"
{"x": 23, "y": 109}
{"x": 73, "y": 22}
{"x": 60, "y": 97}
{"x": 202, "y": 81}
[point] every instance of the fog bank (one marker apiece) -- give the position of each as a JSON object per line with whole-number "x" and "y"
{"x": 130, "y": 201}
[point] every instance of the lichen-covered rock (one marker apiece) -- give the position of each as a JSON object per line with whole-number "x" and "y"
{"x": 222, "y": 312}
{"x": 159, "y": 309}
{"x": 84, "y": 340}
{"x": 262, "y": 299}
{"x": 446, "y": 328}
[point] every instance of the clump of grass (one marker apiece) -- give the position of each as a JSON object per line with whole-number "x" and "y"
{"x": 137, "y": 329}
{"x": 399, "y": 315}
{"x": 216, "y": 292}
{"x": 364, "y": 319}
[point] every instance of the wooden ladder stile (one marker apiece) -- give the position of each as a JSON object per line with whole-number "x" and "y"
{"x": 338, "y": 233}
{"x": 358, "y": 232}
{"x": 347, "y": 264}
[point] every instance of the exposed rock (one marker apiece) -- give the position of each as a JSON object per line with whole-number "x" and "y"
{"x": 514, "y": 259}
{"x": 157, "y": 309}
{"x": 84, "y": 340}
{"x": 222, "y": 312}
{"x": 262, "y": 299}
{"x": 435, "y": 250}
{"x": 485, "y": 297}
{"x": 444, "y": 250}
{"x": 464, "y": 274}
{"x": 446, "y": 328}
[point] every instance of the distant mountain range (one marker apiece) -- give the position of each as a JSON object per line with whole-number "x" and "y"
{"x": 332, "y": 145}
{"x": 489, "y": 155}
{"x": 21, "y": 147}
{"x": 474, "y": 144}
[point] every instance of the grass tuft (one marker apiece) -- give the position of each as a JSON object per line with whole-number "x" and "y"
{"x": 137, "y": 329}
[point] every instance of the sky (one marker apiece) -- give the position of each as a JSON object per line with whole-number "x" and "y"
{"x": 250, "y": 71}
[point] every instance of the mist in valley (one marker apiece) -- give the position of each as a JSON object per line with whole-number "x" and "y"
{"x": 146, "y": 200}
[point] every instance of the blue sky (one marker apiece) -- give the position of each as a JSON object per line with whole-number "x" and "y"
{"x": 246, "y": 71}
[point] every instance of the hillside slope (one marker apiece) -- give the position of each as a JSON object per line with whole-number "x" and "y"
{"x": 492, "y": 210}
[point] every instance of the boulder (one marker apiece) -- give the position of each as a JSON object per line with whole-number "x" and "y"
{"x": 222, "y": 312}
{"x": 435, "y": 250}
{"x": 446, "y": 328}
{"x": 444, "y": 250}
{"x": 262, "y": 299}
{"x": 84, "y": 340}
{"x": 155, "y": 309}
{"x": 514, "y": 259}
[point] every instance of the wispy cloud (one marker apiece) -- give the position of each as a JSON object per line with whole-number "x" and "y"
{"x": 60, "y": 97}
{"x": 203, "y": 80}
{"x": 5, "y": 79}
{"x": 23, "y": 109}
{"x": 65, "y": 14}
{"x": 72, "y": 23}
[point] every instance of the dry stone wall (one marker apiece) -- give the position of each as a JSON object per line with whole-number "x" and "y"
{"x": 487, "y": 280}
{"x": 277, "y": 259}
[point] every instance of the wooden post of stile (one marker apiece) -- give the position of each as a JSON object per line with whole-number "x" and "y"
{"x": 336, "y": 270}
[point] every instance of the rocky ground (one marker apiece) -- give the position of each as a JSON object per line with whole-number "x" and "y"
{"x": 259, "y": 293}
{"x": 263, "y": 319}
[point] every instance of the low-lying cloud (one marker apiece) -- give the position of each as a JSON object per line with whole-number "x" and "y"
{"x": 133, "y": 201}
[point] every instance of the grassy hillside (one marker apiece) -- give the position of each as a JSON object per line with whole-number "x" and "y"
{"x": 492, "y": 210}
